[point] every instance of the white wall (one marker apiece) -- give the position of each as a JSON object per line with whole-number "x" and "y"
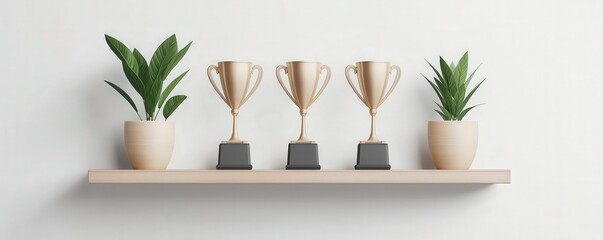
{"x": 543, "y": 104}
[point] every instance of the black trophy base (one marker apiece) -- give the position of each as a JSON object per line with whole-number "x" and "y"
{"x": 373, "y": 156}
{"x": 234, "y": 156}
{"x": 303, "y": 156}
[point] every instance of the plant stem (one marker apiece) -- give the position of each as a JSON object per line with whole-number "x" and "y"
{"x": 158, "y": 110}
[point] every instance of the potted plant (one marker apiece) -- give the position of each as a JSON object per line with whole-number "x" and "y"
{"x": 149, "y": 142}
{"x": 453, "y": 142}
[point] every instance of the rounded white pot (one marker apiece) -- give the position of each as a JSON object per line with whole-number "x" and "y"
{"x": 452, "y": 144}
{"x": 149, "y": 144}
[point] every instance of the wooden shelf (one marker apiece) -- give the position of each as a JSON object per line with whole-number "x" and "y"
{"x": 500, "y": 176}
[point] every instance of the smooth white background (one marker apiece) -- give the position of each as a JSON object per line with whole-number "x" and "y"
{"x": 542, "y": 60}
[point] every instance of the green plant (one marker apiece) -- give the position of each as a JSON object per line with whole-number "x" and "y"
{"x": 148, "y": 78}
{"x": 450, "y": 85}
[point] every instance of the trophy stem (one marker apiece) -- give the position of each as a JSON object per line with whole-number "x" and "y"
{"x": 302, "y": 135}
{"x": 373, "y": 136}
{"x": 234, "y": 137}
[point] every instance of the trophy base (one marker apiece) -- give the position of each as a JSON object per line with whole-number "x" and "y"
{"x": 234, "y": 156}
{"x": 303, "y": 156}
{"x": 372, "y": 156}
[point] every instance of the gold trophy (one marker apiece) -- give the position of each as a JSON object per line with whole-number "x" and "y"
{"x": 303, "y": 82}
{"x": 373, "y": 80}
{"x": 235, "y": 79}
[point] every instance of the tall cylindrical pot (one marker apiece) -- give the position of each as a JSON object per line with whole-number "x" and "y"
{"x": 452, "y": 144}
{"x": 149, "y": 144}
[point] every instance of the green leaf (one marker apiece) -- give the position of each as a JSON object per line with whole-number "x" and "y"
{"x": 173, "y": 62}
{"x": 134, "y": 80}
{"x": 464, "y": 112}
{"x": 143, "y": 67}
{"x": 162, "y": 56}
{"x": 435, "y": 88}
{"x": 466, "y": 100}
{"x": 166, "y": 92}
{"x": 123, "y": 94}
{"x": 122, "y": 52}
{"x": 151, "y": 98}
{"x": 446, "y": 112}
{"x": 445, "y": 92}
{"x": 460, "y": 72}
{"x": 172, "y": 104}
{"x": 434, "y": 69}
{"x": 444, "y": 117}
{"x": 451, "y": 85}
{"x": 446, "y": 71}
{"x": 471, "y": 76}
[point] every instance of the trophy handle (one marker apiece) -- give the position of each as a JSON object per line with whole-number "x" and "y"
{"x": 347, "y": 76}
{"x": 324, "y": 85}
{"x": 397, "y": 79}
{"x": 213, "y": 83}
{"x": 257, "y": 82}
{"x": 280, "y": 80}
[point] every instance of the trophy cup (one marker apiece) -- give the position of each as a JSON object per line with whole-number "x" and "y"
{"x": 372, "y": 79}
{"x": 234, "y": 78}
{"x": 303, "y": 82}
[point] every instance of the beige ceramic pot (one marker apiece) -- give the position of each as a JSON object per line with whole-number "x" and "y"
{"x": 452, "y": 144}
{"x": 149, "y": 144}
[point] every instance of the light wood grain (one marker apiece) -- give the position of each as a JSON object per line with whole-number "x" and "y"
{"x": 499, "y": 176}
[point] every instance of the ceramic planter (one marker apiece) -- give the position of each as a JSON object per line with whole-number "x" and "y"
{"x": 452, "y": 144}
{"x": 149, "y": 144}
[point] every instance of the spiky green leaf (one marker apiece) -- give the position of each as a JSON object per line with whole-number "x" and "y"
{"x": 446, "y": 71}
{"x": 471, "y": 76}
{"x": 444, "y": 117}
{"x": 464, "y": 112}
{"x": 451, "y": 86}
{"x": 466, "y": 100}
{"x": 460, "y": 72}
{"x": 434, "y": 69}
{"x": 435, "y": 88}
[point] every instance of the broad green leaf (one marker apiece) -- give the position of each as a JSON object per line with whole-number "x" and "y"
{"x": 162, "y": 56}
{"x": 464, "y": 112}
{"x": 466, "y": 100}
{"x": 152, "y": 94}
{"x": 122, "y": 52}
{"x": 123, "y": 94}
{"x": 143, "y": 67}
{"x": 166, "y": 92}
{"x": 134, "y": 80}
{"x": 163, "y": 73}
{"x": 172, "y": 104}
